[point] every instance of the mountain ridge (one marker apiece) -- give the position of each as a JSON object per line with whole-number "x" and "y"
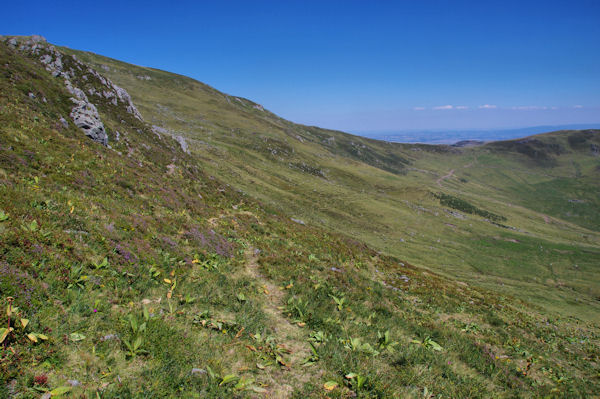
{"x": 98, "y": 241}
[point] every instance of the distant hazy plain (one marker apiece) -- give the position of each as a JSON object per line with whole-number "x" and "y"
{"x": 453, "y": 136}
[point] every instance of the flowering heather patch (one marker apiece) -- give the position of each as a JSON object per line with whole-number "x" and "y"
{"x": 14, "y": 282}
{"x": 125, "y": 253}
{"x": 211, "y": 241}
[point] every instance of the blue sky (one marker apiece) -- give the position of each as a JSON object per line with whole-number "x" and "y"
{"x": 356, "y": 65}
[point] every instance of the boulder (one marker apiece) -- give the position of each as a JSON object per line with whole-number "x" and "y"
{"x": 85, "y": 116}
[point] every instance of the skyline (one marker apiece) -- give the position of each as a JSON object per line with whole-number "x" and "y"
{"x": 355, "y": 66}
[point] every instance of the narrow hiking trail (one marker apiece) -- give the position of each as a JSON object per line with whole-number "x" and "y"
{"x": 289, "y": 335}
{"x": 449, "y": 175}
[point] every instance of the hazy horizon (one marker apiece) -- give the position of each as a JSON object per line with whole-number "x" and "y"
{"x": 451, "y": 136}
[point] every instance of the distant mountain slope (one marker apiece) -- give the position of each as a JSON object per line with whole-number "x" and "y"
{"x": 382, "y": 193}
{"x": 129, "y": 270}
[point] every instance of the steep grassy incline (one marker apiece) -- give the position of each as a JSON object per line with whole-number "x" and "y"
{"x": 129, "y": 272}
{"x": 544, "y": 249}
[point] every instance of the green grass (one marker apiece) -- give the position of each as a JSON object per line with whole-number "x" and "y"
{"x": 383, "y": 193}
{"x": 229, "y": 286}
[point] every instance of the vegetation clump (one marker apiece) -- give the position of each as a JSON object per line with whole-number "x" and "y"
{"x": 464, "y": 206}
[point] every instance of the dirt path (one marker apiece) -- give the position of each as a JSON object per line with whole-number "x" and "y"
{"x": 289, "y": 335}
{"x": 449, "y": 175}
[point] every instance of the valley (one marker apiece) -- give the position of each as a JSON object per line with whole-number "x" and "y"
{"x": 159, "y": 238}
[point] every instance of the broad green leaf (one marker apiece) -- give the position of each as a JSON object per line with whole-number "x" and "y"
{"x": 330, "y": 385}
{"x": 435, "y": 346}
{"x": 32, "y": 337}
{"x": 133, "y": 323}
{"x": 227, "y": 379}
{"x": 60, "y": 391}
{"x": 4, "y": 333}
{"x": 137, "y": 343}
{"x": 42, "y": 336}
{"x": 242, "y": 383}
{"x": 210, "y": 372}
{"x": 75, "y": 337}
{"x": 360, "y": 381}
{"x": 24, "y": 323}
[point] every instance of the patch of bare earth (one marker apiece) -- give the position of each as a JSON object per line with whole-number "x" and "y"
{"x": 449, "y": 175}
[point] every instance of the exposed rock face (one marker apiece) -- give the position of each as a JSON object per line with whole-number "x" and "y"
{"x": 85, "y": 115}
{"x": 89, "y": 90}
{"x": 182, "y": 143}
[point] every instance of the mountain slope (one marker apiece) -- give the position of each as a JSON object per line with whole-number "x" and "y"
{"x": 386, "y": 194}
{"x": 140, "y": 275}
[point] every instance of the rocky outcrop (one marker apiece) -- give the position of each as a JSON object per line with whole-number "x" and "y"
{"x": 84, "y": 114}
{"x": 89, "y": 90}
{"x": 159, "y": 131}
{"x": 182, "y": 143}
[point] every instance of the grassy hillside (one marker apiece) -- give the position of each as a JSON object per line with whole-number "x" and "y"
{"x": 132, "y": 271}
{"x": 545, "y": 250}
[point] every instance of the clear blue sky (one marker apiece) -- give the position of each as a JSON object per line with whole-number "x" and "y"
{"x": 355, "y": 65}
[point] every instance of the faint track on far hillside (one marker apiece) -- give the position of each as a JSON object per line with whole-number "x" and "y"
{"x": 449, "y": 175}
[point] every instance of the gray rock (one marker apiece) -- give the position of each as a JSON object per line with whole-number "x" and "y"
{"x": 85, "y": 115}
{"x": 74, "y": 383}
{"x": 198, "y": 371}
{"x": 64, "y": 122}
{"x": 159, "y": 130}
{"x": 298, "y": 221}
{"x": 45, "y": 59}
{"x": 182, "y": 143}
{"x": 77, "y": 92}
{"x": 109, "y": 337}
{"x": 124, "y": 96}
{"x": 37, "y": 39}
